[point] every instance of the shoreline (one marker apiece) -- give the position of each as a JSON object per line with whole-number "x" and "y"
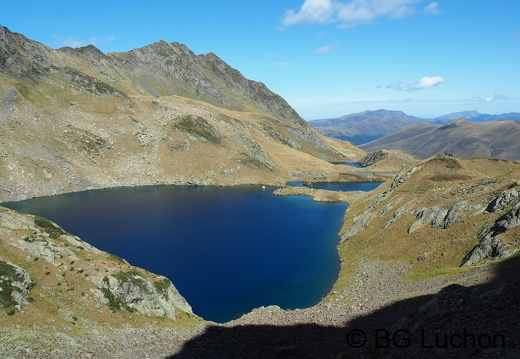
{"x": 259, "y": 187}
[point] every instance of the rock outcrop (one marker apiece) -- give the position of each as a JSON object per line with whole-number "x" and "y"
{"x": 490, "y": 244}
{"x": 503, "y": 200}
{"x": 361, "y": 221}
{"x": 15, "y": 286}
{"x": 438, "y": 217}
{"x": 110, "y": 279}
{"x": 133, "y": 292}
{"x": 372, "y": 158}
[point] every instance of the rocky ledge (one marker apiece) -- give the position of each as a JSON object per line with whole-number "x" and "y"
{"x": 107, "y": 282}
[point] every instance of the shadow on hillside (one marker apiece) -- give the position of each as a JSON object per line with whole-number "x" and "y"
{"x": 458, "y": 322}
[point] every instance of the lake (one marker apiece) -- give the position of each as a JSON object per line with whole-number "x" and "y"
{"x": 339, "y": 186}
{"x": 349, "y": 163}
{"x": 226, "y": 249}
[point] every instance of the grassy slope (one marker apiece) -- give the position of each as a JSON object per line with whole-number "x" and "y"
{"x": 62, "y": 296}
{"x": 441, "y": 182}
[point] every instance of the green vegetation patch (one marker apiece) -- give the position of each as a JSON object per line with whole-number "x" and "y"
{"x": 199, "y": 128}
{"x": 91, "y": 84}
{"x": 115, "y": 257}
{"x": 162, "y": 286}
{"x": 113, "y": 302}
{"x": 49, "y": 227}
{"x": 128, "y": 276}
{"x": 446, "y": 177}
{"x": 8, "y": 275}
{"x": 449, "y": 162}
{"x": 23, "y": 89}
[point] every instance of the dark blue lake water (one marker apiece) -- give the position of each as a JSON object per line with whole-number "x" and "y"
{"x": 354, "y": 164}
{"x": 339, "y": 186}
{"x": 227, "y": 250}
{"x": 349, "y": 163}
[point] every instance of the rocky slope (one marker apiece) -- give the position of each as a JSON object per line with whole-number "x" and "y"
{"x": 42, "y": 265}
{"x": 404, "y": 270}
{"x": 77, "y": 119}
{"x": 74, "y": 119}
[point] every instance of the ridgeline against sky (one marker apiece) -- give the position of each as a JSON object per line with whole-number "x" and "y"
{"x": 327, "y": 58}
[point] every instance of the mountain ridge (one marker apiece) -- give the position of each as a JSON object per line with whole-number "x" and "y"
{"x": 460, "y": 138}
{"x": 367, "y": 126}
{"x": 78, "y": 119}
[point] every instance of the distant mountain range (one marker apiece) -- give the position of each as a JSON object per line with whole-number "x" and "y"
{"x": 363, "y": 127}
{"x": 367, "y": 126}
{"x": 461, "y": 138}
{"x": 474, "y": 116}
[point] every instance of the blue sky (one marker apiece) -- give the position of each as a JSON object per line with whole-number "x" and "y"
{"x": 327, "y": 58}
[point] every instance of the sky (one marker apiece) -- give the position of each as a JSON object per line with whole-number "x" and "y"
{"x": 326, "y": 58}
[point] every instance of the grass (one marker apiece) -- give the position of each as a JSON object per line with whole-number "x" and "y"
{"x": 7, "y": 275}
{"x": 198, "y": 127}
{"x": 161, "y": 286}
{"x": 447, "y": 177}
{"x": 443, "y": 272}
{"x": 449, "y": 162}
{"x": 91, "y": 84}
{"x": 113, "y": 302}
{"x": 49, "y": 227}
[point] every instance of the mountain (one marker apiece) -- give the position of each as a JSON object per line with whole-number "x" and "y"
{"x": 461, "y": 138}
{"x": 432, "y": 252}
{"x": 474, "y": 116}
{"x": 363, "y": 127}
{"x": 367, "y": 126}
{"x": 77, "y": 119}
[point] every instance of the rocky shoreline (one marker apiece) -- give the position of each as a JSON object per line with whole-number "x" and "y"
{"x": 267, "y": 332}
{"x": 379, "y": 297}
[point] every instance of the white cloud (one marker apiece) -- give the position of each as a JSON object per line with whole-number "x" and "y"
{"x": 311, "y": 12}
{"x": 351, "y": 13}
{"x": 423, "y": 83}
{"x": 432, "y": 8}
{"x": 324, "y": 49}
{"x": 489, "y": 98}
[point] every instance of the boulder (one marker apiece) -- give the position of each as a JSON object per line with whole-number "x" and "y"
{"x": 490, "y": 245}
{"x": 501, "y": 201}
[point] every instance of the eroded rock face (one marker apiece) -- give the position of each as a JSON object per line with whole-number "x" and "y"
{"x": 15, "y": 285}
{"x": 438, "y": 217}
{"x": 490, "y": 245}
{"x": 120, "y": 287}
{"x": 360, "y": 223}
{"x": 501, "y": 201}
{"x": 133, "y": 292}
{"x": 373, "y": 158}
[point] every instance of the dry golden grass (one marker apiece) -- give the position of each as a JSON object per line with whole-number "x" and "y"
{"x": 475, "y": 181}
{"x": 62, "y": 295}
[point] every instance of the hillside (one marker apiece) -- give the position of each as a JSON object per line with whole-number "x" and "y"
{"x": 435, "y": 249}
{"x": 78, "y": 119}
{"x": 365, "y": 126}
{"x": 474, "y": 116}
{"x": 461, "y": 138}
